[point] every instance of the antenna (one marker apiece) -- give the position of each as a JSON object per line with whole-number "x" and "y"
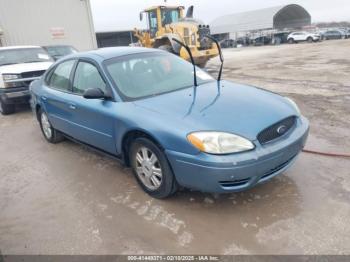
{"x": 220, "y": 53}
{"x": 190, "y": 53}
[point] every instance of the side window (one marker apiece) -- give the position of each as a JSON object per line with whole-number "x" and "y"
{"x": 60, "y": 77}
{"x": 87, "y": 76}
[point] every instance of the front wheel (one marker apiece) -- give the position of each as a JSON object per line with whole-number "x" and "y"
{"x": 6, "y": 109}
{"x": 51, "y": 135}
{"x": 291, "y": 41}
{"x": 203, "y": 64}
{"x": 167, "y": 48}
{"x": 151, "y": 168}
{"x": 310, "y": 40}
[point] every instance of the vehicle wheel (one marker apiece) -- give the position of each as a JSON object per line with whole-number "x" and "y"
{"x": 202, "y": 65}
{"x": 291, "y": 41}
{"x": 51, "y": 135}
{"x": 6, "y": 109}
{"x": 167, "y": 48}
{"x": 309, "y": 40}
{"x": 151, "y": 169}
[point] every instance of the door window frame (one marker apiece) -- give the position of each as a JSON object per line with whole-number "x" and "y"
{"x": 52, "y": 70}
{"x": 96, "y": 65}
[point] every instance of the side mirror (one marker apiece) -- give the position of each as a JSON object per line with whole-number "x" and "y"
{"x": 141, "y": 16}
{"x": 94, "y": 93}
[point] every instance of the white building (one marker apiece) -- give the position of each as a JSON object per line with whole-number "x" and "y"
{"x": 47, "y": 22}
{"x": 272, "y": 18}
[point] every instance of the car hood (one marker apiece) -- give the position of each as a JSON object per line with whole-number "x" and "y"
{"x": 26, "y": 67}
{"x": 235, "y": 108}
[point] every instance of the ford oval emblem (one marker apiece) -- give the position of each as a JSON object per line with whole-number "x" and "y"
{"x": 281, "y": 129}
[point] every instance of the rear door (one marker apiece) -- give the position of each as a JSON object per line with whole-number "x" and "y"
{"x": 93, "y": 118}
{"x": 57, "y": 96}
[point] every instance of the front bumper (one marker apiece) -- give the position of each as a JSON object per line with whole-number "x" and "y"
{"x": 237, "y": 172}
{"x": 199, "y": 56}
{"x": 20, "y": 95}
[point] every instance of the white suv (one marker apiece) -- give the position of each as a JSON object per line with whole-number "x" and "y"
{"x": 19, "y": 66}
{"x": 296, "y": 37}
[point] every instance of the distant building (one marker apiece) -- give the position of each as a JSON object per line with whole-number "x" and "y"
{"x": 274, "y": 18}
{"x": 47, "y": 22}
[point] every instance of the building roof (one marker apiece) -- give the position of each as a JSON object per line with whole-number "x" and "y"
{"x": 286, "y": 16}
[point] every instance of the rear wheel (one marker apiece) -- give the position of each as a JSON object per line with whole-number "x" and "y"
{"x": 6, "y": 109}
{"x": 202, "y": 65}
{"x": 51, "y": 135}
{"x": 167, "y": 48}
{"x": 151, "y": 168}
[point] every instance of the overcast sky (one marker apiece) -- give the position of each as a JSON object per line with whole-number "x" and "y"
{"x": 110, "y": 15}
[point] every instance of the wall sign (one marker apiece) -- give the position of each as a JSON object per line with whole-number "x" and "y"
{"x": 57, "y": 32}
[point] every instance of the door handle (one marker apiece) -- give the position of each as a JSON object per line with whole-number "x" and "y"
{"x": 44, "y": 98}
{"x": 73, "y": 107}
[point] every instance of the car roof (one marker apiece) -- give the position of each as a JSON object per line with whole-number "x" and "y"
{"x": 111, "y": 52}
{"x": 19, "y": 47}
{"x": 56, "y": 45}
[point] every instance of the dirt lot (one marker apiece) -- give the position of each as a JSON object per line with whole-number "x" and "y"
{"x": 65, "y": 199}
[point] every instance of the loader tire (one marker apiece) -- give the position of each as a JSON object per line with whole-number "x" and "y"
{"x": 167, "y": 48}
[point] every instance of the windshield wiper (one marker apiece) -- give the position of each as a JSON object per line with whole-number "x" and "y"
{"x": 7, "y": 64}
{"x": 220, "y": 55}
{"x": 34, "y": 61}
{"x": 190, "y": 53}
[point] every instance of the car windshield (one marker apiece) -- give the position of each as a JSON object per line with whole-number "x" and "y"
{"x": 58, "y": 51}
{"x": 149, "y": 74}
{"x": 23, "y": 55}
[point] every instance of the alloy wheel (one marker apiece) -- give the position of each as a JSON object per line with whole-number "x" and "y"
{"x": 148, "y": 168}
{"x": 46, "y": 126}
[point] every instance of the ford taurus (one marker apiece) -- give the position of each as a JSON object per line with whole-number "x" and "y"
{"x": 142, "y": 106}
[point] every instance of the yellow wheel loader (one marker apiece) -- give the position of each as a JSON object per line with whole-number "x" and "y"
{"x": 166, "y": 23}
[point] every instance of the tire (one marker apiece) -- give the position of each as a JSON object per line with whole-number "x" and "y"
{"x": 6, "y": 109}
{"x": 155, "y": 177}
{"x": 291, "y": 41}
{"x": 167, "y": 48}
{"x": 53, "y": 136}
{"x": 309, "y": 39}
{"x": 202, "y": 65}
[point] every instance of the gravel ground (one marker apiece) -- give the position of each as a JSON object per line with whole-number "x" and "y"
{"x": 66, "y": 199}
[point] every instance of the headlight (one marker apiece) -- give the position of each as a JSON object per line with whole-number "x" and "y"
{"x": 10, "y": 77}
{"x": 293, "y": 104}
{"x": 219, "y": 142}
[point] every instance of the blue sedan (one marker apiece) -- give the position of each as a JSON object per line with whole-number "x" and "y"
{"x": 142, "y": 106}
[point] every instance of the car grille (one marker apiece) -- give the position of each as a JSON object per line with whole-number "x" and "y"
{"x": 205, "y": 43}
{"x": 30, "y": 75}
{"x": 276, "y": 130}
{"x": 273, "y": 171}
{"x": 234, "y": 183}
